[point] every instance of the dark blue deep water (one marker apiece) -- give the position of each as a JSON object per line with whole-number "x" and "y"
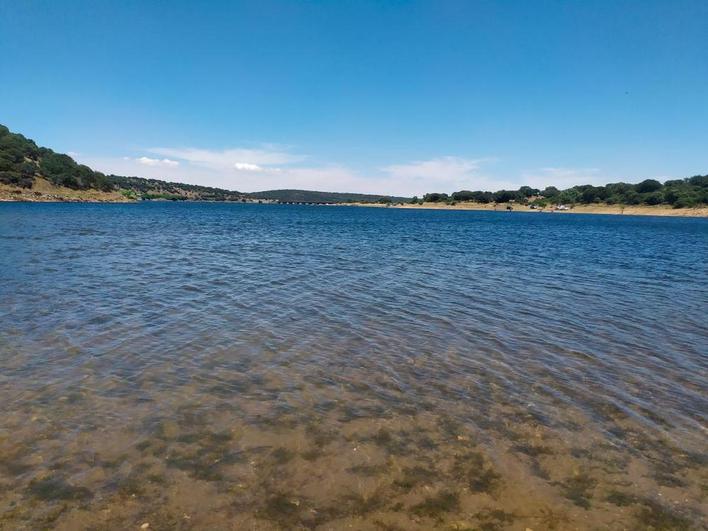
{"x": 548, "y": 344}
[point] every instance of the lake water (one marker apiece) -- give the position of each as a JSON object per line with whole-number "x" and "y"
{"x": 225, "y": 366}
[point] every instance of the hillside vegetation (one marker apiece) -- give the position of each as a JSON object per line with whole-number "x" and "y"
{"x": 21, "y": 161}
{"x": 23, "y": 164}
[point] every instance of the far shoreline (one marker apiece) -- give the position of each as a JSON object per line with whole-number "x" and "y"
{"x": 613, "y": 210}
{"x": 46, "y": 193}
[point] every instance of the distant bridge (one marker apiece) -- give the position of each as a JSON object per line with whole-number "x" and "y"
{"x": 308, "y": 202}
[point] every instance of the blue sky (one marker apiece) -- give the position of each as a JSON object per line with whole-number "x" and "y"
{"x": 381, "y": 97}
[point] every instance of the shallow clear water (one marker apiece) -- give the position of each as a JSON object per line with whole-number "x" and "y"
{"x": 199, "y": 366}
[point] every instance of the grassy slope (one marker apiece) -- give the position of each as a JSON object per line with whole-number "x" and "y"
{"x": 44, "y": 191}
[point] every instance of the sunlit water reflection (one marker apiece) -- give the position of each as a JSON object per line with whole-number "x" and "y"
{"x": 209, "y": 366}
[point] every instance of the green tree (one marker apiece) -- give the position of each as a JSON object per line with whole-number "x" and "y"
{"x": 527, "y": 191}
{"x": 435, "y": 198}
{"x": 550, "y": 192}
{"x": 655, "y": 198}
{"x": 648, "y": 186}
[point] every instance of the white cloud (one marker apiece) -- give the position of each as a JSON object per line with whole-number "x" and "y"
{"x": 442, "y": 174}
{"x": 329, "y": 178}
{"x": 239, "y": 158}
{"x": 147, "y": 161}
{"x": 246, "y": 177}
{"x": 255, "y": 170}
{"x": 245, "y": 166}
{"x": 440, "y": 169}
{"x": 270, "y": 167}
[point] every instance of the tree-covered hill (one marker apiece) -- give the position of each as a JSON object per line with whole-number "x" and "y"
{"x": 22, "y": 161}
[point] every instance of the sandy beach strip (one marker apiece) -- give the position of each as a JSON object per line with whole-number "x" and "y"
{"x": 627, "y": 210}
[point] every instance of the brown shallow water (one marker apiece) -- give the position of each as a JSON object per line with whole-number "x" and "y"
{"x": 246, "y": 367}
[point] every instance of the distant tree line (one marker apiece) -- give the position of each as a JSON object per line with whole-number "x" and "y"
{"x": 680, "y": 193}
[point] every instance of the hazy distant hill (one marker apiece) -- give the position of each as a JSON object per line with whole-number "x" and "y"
{"x": 156, "y": 189}
{"x": 307, "y": 196}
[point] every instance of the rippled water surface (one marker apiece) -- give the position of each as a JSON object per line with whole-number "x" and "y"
{"x": 217, "y": 366}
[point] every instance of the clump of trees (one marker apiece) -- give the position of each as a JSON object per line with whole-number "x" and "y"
{"x": 680, "y": 193}
{"x": 21, "y": 160}
{"x": 18, "y": 159}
